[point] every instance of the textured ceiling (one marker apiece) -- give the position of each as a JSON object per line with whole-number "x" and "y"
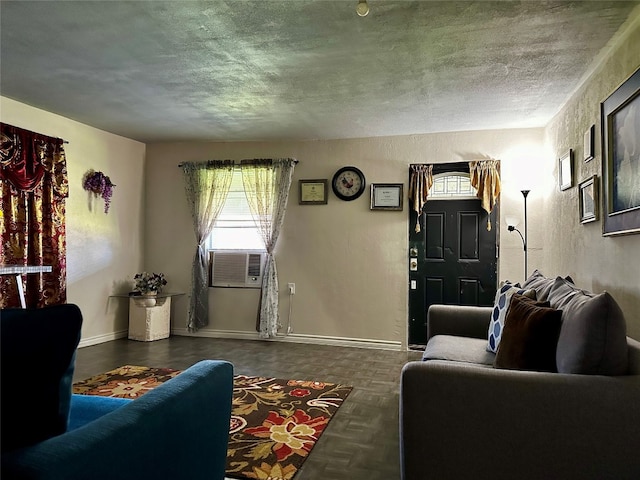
{"x": 300, "y": 69}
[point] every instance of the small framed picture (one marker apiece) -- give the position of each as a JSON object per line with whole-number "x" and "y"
{"x": 589, "y": 200}
{"x": 565, "y": 170}
{"x": 386, "y": 196}
{"x": 313, "y": 192}
{"x": 589, "y": 143}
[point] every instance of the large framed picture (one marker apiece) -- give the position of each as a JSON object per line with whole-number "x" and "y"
{"x": 386, "y": 196}
{"x": 621, "y": 159}
{"x": 312, "y": 192}
{"x": 565, "y": 170}
{"x": 589, "y": 200}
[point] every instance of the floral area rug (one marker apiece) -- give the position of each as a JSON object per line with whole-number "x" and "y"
{"x": 274, "y": 423}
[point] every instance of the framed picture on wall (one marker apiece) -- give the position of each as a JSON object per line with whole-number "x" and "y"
{"x": 386, "y": 196}
{"x": 589, "y": 143}
{"x": 565, "y": 170}
{"x": 589, "y": 200}
{"x": 312, "y": 192}
{"x": 621, "y": 159}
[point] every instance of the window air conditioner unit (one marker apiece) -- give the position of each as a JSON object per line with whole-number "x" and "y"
{"x": 235, "y": 268}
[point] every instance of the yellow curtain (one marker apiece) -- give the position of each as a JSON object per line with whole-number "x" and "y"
{"x": 420, "y": 181}
{"x": 485, "y": 177}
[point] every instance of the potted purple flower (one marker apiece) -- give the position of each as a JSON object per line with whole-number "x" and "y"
{"x": 147, "y": 286}
{"x": 149, "y": 283}
{"x": 100, "y": 185}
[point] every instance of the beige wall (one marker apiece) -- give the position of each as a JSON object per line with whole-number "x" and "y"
{"x": 595, "y": 262}
{"x": 350, "y": 264}
{"x": 103, "y": 251}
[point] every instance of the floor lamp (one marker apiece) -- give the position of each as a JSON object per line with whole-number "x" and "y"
{"x": 511, "y": 228}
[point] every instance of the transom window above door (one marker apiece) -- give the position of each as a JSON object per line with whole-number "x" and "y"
{"x": 452, "y": 185}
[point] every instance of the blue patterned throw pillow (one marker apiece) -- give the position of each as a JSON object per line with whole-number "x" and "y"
{"x": 500, "y": 307}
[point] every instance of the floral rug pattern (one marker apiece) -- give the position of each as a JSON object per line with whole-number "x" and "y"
{"x": 274, "y": 423}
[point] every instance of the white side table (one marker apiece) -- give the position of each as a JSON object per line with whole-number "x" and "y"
{"x": 149, "y": 323}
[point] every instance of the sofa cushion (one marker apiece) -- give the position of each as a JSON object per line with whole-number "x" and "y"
{"x": 458, "y": 349}
{"x": 593, "y": 334}
{"x": 500, "y": 307}
{"x": 38, "y": 358}
{"x": 530, "y": 336}
{"x": 541, "y": 284}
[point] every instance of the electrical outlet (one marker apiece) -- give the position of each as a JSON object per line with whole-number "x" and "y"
{"x": 292, "y": 288}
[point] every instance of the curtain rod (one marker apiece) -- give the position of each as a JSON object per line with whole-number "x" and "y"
{"x": 239, "y": 162}
{"x": 461, "y": 162}
{"x": 34, "y": 133}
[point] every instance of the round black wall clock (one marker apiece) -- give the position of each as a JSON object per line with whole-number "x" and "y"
{"x": 348, "y": 183}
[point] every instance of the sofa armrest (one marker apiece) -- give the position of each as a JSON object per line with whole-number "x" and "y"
{"x": 476, "y": 422}
{"x": 461, "y": 321}
{"x": 178, "y": 430}
{"x": 88, "y": 408}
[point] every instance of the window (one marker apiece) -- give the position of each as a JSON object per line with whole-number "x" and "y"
{"x": 234, "y": 228}
{"x": 452, "y": 185}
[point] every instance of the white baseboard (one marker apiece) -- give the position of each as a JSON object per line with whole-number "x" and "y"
{"x": 294, "y": 338}
{"x": 240, "y": 335}
{"x": 107, "y": 337}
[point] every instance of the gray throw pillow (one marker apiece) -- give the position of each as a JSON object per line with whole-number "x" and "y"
{"x": 593, "y": 338}
{"x": 541, "y": 284}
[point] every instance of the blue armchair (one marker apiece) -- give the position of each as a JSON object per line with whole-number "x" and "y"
{"x": 178, "y": 430}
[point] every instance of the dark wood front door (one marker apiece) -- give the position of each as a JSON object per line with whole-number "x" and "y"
{"x": 454, "y": 260}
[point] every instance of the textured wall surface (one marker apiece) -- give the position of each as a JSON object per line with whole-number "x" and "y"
{"x": 595, "y": 262}
{"x": 350, "y": 264}
{"x": 103, "y": 251}
{"x": 229, "y": 70}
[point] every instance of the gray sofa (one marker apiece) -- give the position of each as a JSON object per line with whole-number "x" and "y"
{"x": 463, "y": 418}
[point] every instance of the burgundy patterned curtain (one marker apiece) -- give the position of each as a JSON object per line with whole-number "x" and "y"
{"x": 33, "y": 189}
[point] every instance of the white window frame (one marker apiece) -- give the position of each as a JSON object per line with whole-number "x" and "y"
{"x": 442, "y": 177}
{"x": 235, "y": 229}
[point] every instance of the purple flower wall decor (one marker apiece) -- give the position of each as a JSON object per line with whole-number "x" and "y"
{"x": 100, "y": 185}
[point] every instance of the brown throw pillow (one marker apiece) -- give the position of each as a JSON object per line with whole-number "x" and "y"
{"x": 530, "y": 336}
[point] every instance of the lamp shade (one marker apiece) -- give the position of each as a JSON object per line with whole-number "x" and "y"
{"x": 511, "y": 220}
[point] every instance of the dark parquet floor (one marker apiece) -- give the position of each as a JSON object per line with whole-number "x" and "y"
{"x": 361, "y": 441}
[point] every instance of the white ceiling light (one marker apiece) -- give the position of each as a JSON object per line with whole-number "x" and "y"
{"x": 362, "y": 9}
